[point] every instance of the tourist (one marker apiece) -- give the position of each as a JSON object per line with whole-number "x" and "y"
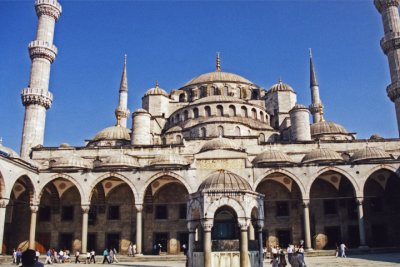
{"x": 296, "y": 260}
{"x": 14, "y": 256}
{"x": 274, "y": 251}
{"x": 92, "y": 256}
{"x": 114, "y": 259}
{"x": 19, "y": 256}
{"x": 134, "y": 249}
{"x": 105, "y": 256}
{"x": 275, "y": 261}
{"x": 343, "y": 250}
{"x": 61, "y": 256}
{"x": 130, "y": 250}
{"x": 159, "y": 248}
{"x": 49, "y": 254}
{"x": 282, "y": 260}
{"x": 37, "y": 254}
{"x": 77, "y": 257}
{"x": 289, "y": 251}
{"x": 184, "y": 249}
{"x": 28, "y": 259}
{"x": 111, "y": 256}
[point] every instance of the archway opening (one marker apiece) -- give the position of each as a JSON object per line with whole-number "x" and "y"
{"x": 225, "y": 225}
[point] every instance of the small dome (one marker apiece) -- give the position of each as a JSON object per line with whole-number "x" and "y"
{"x": 370, "y": 153}
{"x": 72, "y": 161}
{"x": 299, "y": 106}
{"x": 327, "y": 127}
{"x": 219, "y": 143}
{"x": 222, "y": 181}
{"x": 322, "y": 155}
{"x": 272, "y": 156}
{"x": 8, "y": 152}
{"x": 156, "y": 91}
{"x": 113, "y": 133}
{"x": 168, "y": 159}
{"x": 218, "y": 76}
{"x": 65, "y": 145}
{"x": 141, "y": 110}
{"x": 280, "y": 87}
{"x": 120, "y": 160}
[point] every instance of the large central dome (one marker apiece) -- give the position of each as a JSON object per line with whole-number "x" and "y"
{"x": 218, "y": 76}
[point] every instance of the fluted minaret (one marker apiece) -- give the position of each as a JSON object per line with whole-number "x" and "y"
{"x": 390, "y": 44}
{"x": 122, "y": 111}
{"x": 36, "y": 97}
{"x": 316, "y": 107}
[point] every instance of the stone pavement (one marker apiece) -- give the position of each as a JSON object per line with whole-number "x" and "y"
{"x": 368, "y": 260}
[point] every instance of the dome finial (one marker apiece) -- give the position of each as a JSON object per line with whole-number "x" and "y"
{"x": 218, "y": 62}
{"x": 118, "y": 121}
{"x": 156, "y": 83}
{"x": 321, "y": 114}
{"x": 280, "y": 79}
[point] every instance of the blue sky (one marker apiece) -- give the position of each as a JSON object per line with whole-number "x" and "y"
{"x": 174, "y": 41}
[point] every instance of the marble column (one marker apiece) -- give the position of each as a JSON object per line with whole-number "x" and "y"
{"x": 361, "y": 223}
{"x": 207, "y": 226}
{"x": 260, "y": 226}
{"x": 32, "y": 230}
{"x": 244, "y": 246}
{"x": 307, "y": 232}
{"x": 251, "y": 232}
{"x": 3, "y": 205}
{"x": 192, "y": 235}
{"x": 139, "y": 228}
{"x": 85, "y": 222}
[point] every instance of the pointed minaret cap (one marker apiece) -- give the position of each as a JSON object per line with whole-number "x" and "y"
{"x": 218, "y": 62}
{"x": 313, "y": 76}
{"x": 124, "y": 79}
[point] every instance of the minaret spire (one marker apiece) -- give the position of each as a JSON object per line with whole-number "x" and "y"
{"x": 218, "y": 62}
{"x": 122, "y": 112}
{"x": 36, "y": 97}
{"x": 316, "y": 107}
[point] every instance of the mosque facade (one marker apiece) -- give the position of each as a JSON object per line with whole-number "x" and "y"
{"x": 220, "y": 158}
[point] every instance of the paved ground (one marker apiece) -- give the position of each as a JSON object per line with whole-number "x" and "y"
{"x": 370, "y": 260}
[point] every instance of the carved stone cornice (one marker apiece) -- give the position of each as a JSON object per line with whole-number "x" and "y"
{"x": 36, "y": 96}
{"x": 42, "y": 49}
{"x": 381, "y": 5}
{"x": 48, "y": 8}
{"x": 393, "y": 91}
{"x": 390, "y": 42}
{"x": 122, "y": 113}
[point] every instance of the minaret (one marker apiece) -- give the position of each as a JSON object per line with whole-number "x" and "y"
{"x": 122, "y": 111}
{"x": 316, "y": 107}
{"x": 36, "y": 97}
{"x": 390, "y": 44}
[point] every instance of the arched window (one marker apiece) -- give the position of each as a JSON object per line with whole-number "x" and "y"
{"x": 182, "y": 97}
{"x": 232, "y": 111}
{"x": 178, "y": 139}
{"x": 254, "y": 113}
{"x": 244, "y": 112}
{"x": 262, "y": 116}
{"x": 225, "y": 91}
{"x": 237, "y": 131}
{"x": 164, "y": 141}
{"x": 220, "y": 131}
{"x": 185, "y": 115}
{"x": 207, "y": 110}
{"x": 254, "y": 94}
{"x": 214, "y": 90}
{"x": 238, "y": 94}
{"x": 261, "y": 138}
{"x": 203, "y": 132}
{"x": 177, "y": 118}
{"x": 220, "y": 111}
{"x": 195, "y": 112}
{"x": 203, "y": 92}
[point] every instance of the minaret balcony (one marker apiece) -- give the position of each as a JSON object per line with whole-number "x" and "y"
{"x": 390, "y": 42}
{"x": 42, "y": 49}
{"x": 36, "y": 96}
{"x": 315, "y": 107}
{"x": 393, "y": 91}
{"x": 48, "y": 7}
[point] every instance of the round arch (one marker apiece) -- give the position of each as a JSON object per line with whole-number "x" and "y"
{"x": 30, "y": 186}
{"x": 284, "y": 172}
{"x": 349, "y": 177}
{"x": 116, "y": 175}
{"x": 225, "y": 201}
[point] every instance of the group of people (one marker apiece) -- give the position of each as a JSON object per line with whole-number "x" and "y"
{"x": 295, "y": 256}
{"x": 110, "y": 256}
{"x": 131, "y": 250}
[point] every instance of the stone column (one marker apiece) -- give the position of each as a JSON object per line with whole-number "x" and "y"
{"x": 85, "y": 220}
{"x": 192, "y": 233}
{"x": 32, "y": 230}
{"x": 139, "y": 227}
{"x": 251, "y": 232}
{"x": 207, "y": 226}
{"x": 244, "y": 245}
{"x": 260, "y": 226}
{"x": 307, "y": 232}
{"x": 361, "y": 226}
{"x": 3, "y": 205}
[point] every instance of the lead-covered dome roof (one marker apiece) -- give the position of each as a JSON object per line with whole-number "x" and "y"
{"x": 272, "y": 156}
{"x": 220, "y": 143}
{"x": 168, "y": 159}
{"x": 113, "y": 133}
{"x": 218, "y": 76}
{"x": 8, "y": 152}
{"x": 280, "y": 87}
{"x": 156, "y": 91}
{"x": 327, "y": 127}
{"x": 322, "y": 155}
{"x": 370, "y": 153}
{"x": 120, "y": 160}
{"x": 70, "y": 161}
{"x": 223, "y": 181}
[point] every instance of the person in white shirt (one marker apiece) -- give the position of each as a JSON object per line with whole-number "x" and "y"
{"x": 343, "y": 250}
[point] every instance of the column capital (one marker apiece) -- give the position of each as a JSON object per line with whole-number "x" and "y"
{"x": 192, "y": 225}
{"x": 34, "y": 208}
{"x": 85, "y": 208}
{"x": 260, "y": 224}
{"x": 306, "y": 203}
{"x": 243, "y": 224}
{"x": 139, "y": 207}
{"x": 3, "y": 203}
{"x": 360, "y": 201}
{"x": 207, "y": 224}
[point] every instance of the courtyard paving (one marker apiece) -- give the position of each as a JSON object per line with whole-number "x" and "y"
{"x": 368, "y": 260}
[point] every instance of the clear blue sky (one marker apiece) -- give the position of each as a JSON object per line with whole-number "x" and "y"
{"x": 174, "y": 41}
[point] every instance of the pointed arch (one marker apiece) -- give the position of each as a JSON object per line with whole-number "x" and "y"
{"x": 28, "y": 183}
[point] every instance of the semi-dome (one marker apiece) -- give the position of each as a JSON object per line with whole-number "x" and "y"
{"x": 327, "y": 127}
{"x": 370, "y": 153}
{"x": 71, "y": 161}
{"x": 120, "y": 160}
{"x": 113, "y": 133}
{"x": 222, "y": 181}
{"x": 272, "y": 156}
{"x": 8, "y": 152}
{"x": 218, "y": 76}
{"x": 219, "y": 143}
{"x": 156, "y": 91}
{"x": 280, "y": 87}
{"x": 168, "y": 159}
{"x": 322, "y": 155}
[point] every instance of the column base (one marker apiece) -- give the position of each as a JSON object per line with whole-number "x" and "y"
{"x": 138, "y": 255}
{"x": 309, "y": 249}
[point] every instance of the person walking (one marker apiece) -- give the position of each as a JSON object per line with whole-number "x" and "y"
{"x": 77, "y": 257}
{"x": 275, "y": 261}
{"x": 282, "y": 260}
{"x": 289, "y": 251}
{"x": 88, "y": 257}
{"x": 296, "y": 260}
{"x": 343, "y": 250}
{"x": 19, "y": 256}
{"x": 130, "y": 250}
{"x": 114, "y": 259}
{"x": 28, "y": 259}
{"x": 105, "y": 256}
{"x": 49, "y": 253}
{"x": 92, "y": 256}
